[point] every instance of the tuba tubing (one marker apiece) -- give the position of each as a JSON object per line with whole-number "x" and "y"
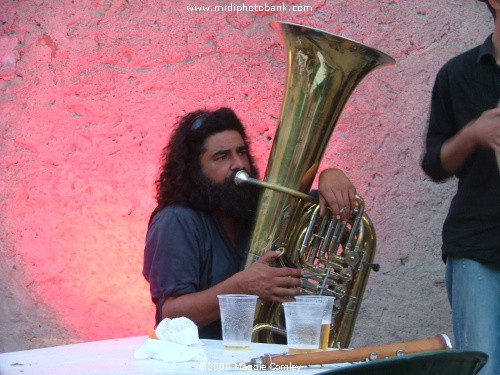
{"x": 323, "y": 71}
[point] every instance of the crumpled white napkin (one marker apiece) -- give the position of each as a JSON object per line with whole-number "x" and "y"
{"x": 178, "y": 341}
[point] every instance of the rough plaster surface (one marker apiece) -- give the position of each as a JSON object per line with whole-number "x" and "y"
{"x": 89, "y": 91}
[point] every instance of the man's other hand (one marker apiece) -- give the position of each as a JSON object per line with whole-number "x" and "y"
{"x": 337, "y": 192}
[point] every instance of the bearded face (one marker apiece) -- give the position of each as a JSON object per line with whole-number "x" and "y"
{"x": 236, "y": 202}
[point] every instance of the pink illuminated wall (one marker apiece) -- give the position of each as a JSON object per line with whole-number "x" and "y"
{"x": 90, "y": 90}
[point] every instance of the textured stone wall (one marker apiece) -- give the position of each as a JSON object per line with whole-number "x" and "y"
{"x": 89, "y": 91}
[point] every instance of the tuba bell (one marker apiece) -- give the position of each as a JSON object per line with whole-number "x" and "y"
{"x": 323, "y": 70}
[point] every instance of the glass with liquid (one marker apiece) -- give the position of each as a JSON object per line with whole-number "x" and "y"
{"x": 327, "y": 302}
{"x": 303, "y": 326}
{"x": 237, "y": 313}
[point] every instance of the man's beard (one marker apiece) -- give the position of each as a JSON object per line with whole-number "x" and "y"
{"x": 236, "y": 202}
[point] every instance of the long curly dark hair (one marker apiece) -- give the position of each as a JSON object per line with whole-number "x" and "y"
{"x": 178, "y": 181}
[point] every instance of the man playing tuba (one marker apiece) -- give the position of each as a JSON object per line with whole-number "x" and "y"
{"x": 197, "y": 235}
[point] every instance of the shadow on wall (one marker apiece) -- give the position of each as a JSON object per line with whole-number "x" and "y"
{"x": 25, "y": 324}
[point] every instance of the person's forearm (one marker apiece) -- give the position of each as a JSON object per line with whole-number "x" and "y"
{"x": 457, "y": 150}
{"x": 274, "y": 284}
{"x": 201, "y": 307}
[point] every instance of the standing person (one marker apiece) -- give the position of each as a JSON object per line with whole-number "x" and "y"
{"x": 463, "y": 135}
{"x": 197, "y": 236}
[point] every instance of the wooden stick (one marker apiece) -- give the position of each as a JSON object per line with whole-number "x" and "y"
{"x": 438, "y": 342}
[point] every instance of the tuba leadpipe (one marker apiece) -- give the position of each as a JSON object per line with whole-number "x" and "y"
{"x": 323, "y": 70}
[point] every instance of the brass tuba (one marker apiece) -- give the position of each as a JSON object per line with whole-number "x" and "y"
{"x": 323, "y": 70}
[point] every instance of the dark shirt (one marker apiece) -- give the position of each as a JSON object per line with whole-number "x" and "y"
{"x": 465, "y": 87}
{"x": 189, "y": 251}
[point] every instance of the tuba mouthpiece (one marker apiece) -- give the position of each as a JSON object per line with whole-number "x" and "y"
{"x": 240, "y": 178}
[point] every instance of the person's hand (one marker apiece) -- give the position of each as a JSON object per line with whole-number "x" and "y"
{"x": 270, "y": 283}
{"x": 485, "y": 130}
{"x": 337, "y": 192}
{"x": 481, "y": 132}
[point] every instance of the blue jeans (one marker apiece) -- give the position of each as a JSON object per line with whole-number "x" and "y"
{"x": 474, "y": 293}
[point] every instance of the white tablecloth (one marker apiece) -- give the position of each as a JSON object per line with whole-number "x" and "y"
{"x": 117, "y": 357}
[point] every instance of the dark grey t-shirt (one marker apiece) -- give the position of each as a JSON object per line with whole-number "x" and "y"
{"x": 188, "y": 251}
